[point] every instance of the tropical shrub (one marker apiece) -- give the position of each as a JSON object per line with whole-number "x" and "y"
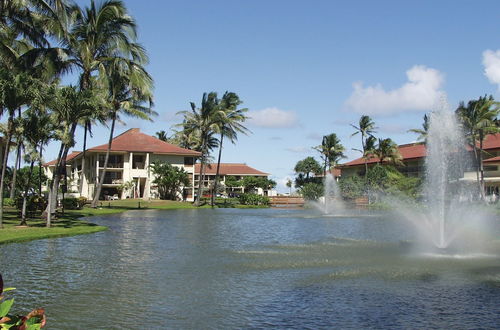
{"x": 32, "y": 321}
{"x": 253, "y": 199}
{"x": 311, "y": 191}
{"x": 352, "y": 187}
{"x": 33, "y": 203}
{"x": 169, "y": 179}
{"x": 70, "y": 203}
{"x": 9, "y": 202}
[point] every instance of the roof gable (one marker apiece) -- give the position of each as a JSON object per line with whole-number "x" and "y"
{"x": 231, "y": 169}
{"x": 135, "y": 141}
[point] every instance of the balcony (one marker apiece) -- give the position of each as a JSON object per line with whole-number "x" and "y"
{"x": 108, "y": 180}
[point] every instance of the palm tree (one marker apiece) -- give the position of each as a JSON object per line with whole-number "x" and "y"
{"x": 70, "y": 105}
{"x": 99, "y": 34}
{"x": 478, "y": 119}
{"x": 162, "y": 135}
{"x": 229, "y": 125}
{"x": 331, "y": 151}
{"x": 387, "y": 151}
{"x": 129, "y": 87}
{"x": 422, "y": 132}
{"x": 202, "y": 123}
{"x": 366, "y": 128}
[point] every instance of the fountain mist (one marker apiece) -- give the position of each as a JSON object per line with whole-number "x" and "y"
{"x": 331, "y": 202}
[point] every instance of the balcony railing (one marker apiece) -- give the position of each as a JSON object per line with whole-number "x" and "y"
{"x": 112, "y": 181}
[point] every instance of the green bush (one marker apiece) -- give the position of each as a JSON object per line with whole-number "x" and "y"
{"x": 9, "y": 202}
{"x": 311, "y": 191}
{"x": 73, "y": 203}
{"x": 253, "y": 199}
{"x": 33, "y": 203}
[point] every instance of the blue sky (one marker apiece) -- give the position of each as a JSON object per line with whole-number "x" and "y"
{"x": 309, "y": 68}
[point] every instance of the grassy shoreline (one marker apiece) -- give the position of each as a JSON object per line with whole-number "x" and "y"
{"x": 72, "y": 223}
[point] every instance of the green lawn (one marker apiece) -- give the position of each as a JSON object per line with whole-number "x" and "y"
{"x": 71, "y": 222}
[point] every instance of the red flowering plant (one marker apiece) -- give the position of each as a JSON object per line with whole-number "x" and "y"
{"x": 32, "y": 321}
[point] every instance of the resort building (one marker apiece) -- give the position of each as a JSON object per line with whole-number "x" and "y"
{"x": 236, "y": 170}
{"x": 128, "y": 174}
{"x": 413, "y": 158}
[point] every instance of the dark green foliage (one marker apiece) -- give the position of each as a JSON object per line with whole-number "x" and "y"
{"x": 9, "y": 202}
{"x": 387, "y": 179}
{"x": 250, "y": 183}
{"x": 33, "y": 203}
{"x": 169, "y": 179}
{"x": 231, "y": 182}
{"x": 352, "y": 187}
{"x": 34, "y": 182}
{"x": 73, "y": 203}
{"x": 306, "y": 170}
{"x": 311, "y": 191}
{"x": 253, "y": 199}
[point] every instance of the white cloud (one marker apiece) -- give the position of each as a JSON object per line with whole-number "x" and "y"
{"x": 491, "y": 62}
{"x": 273, "y": 118}
{"x": 421, "y": 93}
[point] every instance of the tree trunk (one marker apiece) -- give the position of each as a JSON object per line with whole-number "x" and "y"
{"x": 17, "y": 163}
{"x": 4, "y": 165}
{"x": 217, "y": 171}
{"x": 40, "y": 170}
{"x": 481, "y": 168}
{"x": 478, "y": 175}
{"x": 14, "y": 172}
{"x": 25, "y": 196}
{"x": 82, "y": 173}
{"x": 60, "y": 166}
{"x": 105, "y": 166}
{"x": 197, "y": 202}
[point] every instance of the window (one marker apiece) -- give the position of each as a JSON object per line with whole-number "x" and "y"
{"x": 114, "y": 161}
{"x": 138, "y": 162}
{"x": 188, "y": 161}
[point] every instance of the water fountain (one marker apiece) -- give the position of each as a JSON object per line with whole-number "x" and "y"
{"x": 331, "y": 202}
{"x": 448, "y": 220}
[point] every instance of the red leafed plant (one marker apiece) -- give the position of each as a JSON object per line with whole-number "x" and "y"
{"x": 32, "y": 321}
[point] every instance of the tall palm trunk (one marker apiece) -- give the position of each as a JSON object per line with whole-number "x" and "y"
{"x": 58, "y": 171}
{"x": 40, "y": 170}
{"x": 82, "y": 173}
{"x": 17, "y": 164}
{"x": 216, "y": 182}
{"x": 197, "y": 202}
{"x": 14, "y": 172}
{"x": 105, "y": 166}
{"x": 481, "y": 168}
{"x": 4, "y": 165}
{"x": 25, "y": 195}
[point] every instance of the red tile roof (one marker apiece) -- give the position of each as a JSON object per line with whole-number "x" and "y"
{"x": 135, "y": 141}
{"x": 231, "y": 169}
{"x": 492, "y": 160}
{"x": 491, "y": 141}
{"x": 407, "y": 151}
{"x": 68, "y": 158}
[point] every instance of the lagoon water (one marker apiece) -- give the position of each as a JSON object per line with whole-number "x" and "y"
{"x": 265, "y": 268}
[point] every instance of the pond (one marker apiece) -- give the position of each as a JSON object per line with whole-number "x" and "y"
{"x": 266, "y": 268}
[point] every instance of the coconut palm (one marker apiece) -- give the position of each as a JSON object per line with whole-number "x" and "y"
{"x": 479, "y": 118}
{"x": 99, "y": 34}
{"x": 331, "y": 151}
{"x": 70, "y": 105}
{"x": 230, "y": 120}
{"x": 202, "y": 123}
{"x": 387, "y": 151}
{"x": 162, "y": 135}
{"x": 365, "y": 128}
{"x": 129, "y": 87}
{"x": 422, "y": 132}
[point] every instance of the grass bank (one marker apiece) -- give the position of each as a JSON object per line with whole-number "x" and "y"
{"x": 71, "y": 223}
